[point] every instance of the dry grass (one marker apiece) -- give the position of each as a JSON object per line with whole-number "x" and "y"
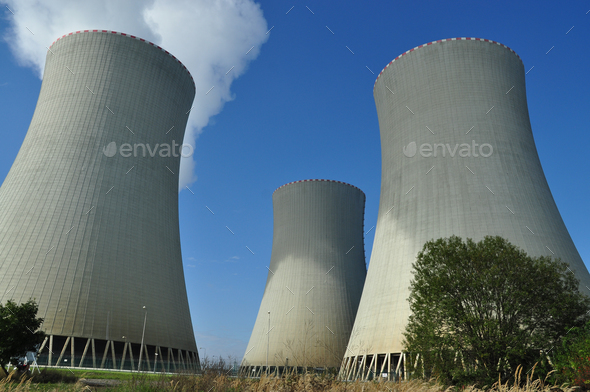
{"x": 216, "y": 382}
{"x": 310, "y": 382}
{"x": 297, "y": 383}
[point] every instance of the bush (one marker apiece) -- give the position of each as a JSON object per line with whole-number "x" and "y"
{"x": 480, "y": 310}
{"x": 572, "y": 358}
{"x": 53, "y": 376}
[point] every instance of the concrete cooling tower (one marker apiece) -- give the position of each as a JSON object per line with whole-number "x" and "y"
{"x": 89, "y": 210}
{"x": 458, "y": 158}
{"x": 315, "y": 279}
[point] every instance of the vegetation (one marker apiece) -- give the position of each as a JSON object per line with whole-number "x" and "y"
{"x": 215, "y": 378}
{"x": 480, "y": 310}
{"x": 213, "y": 382}
{"x": 19, "y": 331}
{"x": 572, "y": 359}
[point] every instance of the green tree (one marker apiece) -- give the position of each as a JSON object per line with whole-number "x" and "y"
{"x": 481, "y": 309}
{"x": 19, "y": 330}
{"x": 572, "y": 358}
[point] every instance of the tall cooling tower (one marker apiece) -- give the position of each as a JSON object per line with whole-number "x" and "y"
{"x": 89, "y": 210}
{"x": 315, "y": 279}
{"x": 458, "y": 158}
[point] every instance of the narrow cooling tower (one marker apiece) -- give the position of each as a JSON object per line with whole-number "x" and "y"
{"x": 89, "y": 210}
{"x": 315, "y": 279}
{"x": 458, "y": 158}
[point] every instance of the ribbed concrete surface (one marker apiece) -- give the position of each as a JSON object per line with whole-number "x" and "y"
{"x": 315, "y": 278}
{"x": 456, "y": 92}
{"x": 94, "y": 238}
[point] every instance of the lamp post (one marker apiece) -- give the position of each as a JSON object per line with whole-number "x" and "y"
{"x": 203, "y": 348}
{"x": 124, "y": 348}
{"x": 267, "y": 341}
{"x": 155, "y": 361}
{"x": 142, "y": 336}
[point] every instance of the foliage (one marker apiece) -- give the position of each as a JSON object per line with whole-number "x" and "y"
{"x": 53, "y": 376}
{"x": 19, "y": 330}
{"x": 572, "y": 358}
{"x": 292, "y": 383}
{"x": 479, "y": 310}
{"x": 66, "y": 373}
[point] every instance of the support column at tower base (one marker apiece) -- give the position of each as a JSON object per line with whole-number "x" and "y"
{"x": 78, "y": 352}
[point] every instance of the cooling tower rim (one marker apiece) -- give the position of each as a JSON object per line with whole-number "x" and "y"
{"x": 444, "y": 40}
{"x": 129, "y": 36}
{"x": 319, "y": 180}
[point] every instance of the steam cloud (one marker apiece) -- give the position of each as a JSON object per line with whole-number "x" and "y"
{"x": 208, "y": 36}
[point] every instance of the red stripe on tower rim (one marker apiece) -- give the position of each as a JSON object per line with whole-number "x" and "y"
{"x": 319, "y": 180}
{"x": 440, "y": 41}
{"x": 126, "y": 35}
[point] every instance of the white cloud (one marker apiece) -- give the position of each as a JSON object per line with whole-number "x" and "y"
{"x": 208, "y": 36}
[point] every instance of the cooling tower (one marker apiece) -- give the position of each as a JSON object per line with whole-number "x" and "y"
{"x": 89, "y": 210}
{"x": 315, "y": 278}
{"x": 458, "y": 158}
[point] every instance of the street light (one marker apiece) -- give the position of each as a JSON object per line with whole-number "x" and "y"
{"x": 203, "y": 348}
{"x": 142, "y": 336}
{"x": 124, "y": 348}
{"x": 267, "y": 341}
{"x": 155, "y": 361}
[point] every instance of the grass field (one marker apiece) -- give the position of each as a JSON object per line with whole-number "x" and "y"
{"x": 104, "y": 374}
{"x": 214, "y": 381}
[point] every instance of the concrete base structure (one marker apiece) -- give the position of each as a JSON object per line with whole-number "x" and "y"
{"x": 458, "y": 158}
{"x": 388, "y": 367}
{"x": 67, "y": 351}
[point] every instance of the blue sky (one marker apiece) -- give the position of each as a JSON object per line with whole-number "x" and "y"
{"x": 303, "y": 108}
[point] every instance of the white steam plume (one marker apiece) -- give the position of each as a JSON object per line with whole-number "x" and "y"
{"x": 208, "y": 36}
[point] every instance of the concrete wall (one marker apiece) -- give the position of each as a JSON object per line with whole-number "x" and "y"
{"x": 459, "y": 93}
{"x": 316, "y": 275}
{"x": 94, "y": 238}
